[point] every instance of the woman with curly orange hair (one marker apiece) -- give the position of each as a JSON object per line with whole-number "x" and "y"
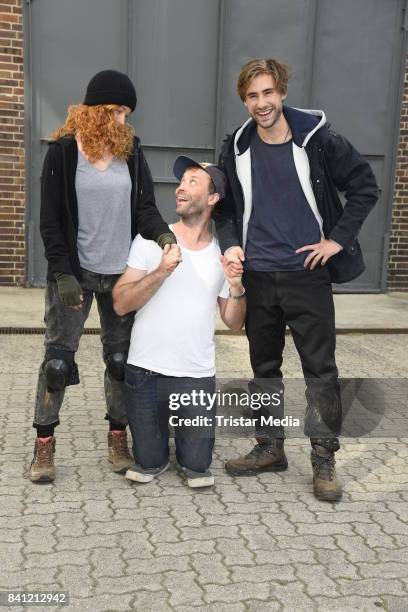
{"x": 96, "y": 195}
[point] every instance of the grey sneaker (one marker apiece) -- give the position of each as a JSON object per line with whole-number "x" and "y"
{"x": 196, "y": 480}
{"x": 138, "y": 474}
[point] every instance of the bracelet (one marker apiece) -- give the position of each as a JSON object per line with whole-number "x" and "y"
{"x": 237, "y": 297}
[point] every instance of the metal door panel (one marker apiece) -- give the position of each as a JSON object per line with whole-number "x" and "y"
{"x": 174, "y": 63}
{"x": 70, "y": 42}
{"x": 262, "y": 28}
{"x": 184, "y": 57}
{"x": 355, "y": 51}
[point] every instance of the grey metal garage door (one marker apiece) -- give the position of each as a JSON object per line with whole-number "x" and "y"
{"x": 347, "y": 57}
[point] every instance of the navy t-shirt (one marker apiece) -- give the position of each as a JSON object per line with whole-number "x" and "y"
{"x": 281, "y": 219}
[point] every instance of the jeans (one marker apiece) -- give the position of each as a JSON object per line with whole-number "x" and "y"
{"x": 302, "y": 300}
{"x": 147, "y": 404}
{"x": 64, "y": 328}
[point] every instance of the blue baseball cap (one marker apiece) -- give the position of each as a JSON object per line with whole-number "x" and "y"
{"x": 216, "y": 174}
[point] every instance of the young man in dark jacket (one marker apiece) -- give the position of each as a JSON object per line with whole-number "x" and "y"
{"x": 283, "y": 223}
{"x": 97, "y": 194}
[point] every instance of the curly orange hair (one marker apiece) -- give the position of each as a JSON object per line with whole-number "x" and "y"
{"x": 98, "y": 131}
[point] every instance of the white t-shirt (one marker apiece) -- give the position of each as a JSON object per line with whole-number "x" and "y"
{"x": 173, "y": 333}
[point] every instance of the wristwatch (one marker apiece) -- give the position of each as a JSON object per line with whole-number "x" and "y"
{"x": 237, "y": 297}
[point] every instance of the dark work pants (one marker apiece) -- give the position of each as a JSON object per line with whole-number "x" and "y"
{"x": 148, "y": 397}
{"x": 64, "y": 328}
{"x": 303, "y": 300}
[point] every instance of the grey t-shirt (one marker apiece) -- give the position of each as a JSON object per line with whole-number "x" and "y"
{"x": 104, "y": 217}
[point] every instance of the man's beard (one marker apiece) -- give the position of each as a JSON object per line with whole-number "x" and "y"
{"x": 192, "y": 213}
{"x": 277, "y": 113}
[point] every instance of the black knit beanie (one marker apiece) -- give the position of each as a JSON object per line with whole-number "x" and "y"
{"x": 111, "y": 87}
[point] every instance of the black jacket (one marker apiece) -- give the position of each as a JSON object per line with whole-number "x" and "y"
{"x": 334, "y": 166}
{"x": 59, "y": 206}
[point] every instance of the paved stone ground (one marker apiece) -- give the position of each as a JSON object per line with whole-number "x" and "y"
{"x": 249, "y": 544}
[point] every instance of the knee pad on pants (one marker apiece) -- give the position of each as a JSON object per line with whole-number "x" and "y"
{"x": 57, "y": 374}
{"x": 115, "y": 364}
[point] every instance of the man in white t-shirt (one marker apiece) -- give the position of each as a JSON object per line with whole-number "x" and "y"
{"x": 172, "y": 354}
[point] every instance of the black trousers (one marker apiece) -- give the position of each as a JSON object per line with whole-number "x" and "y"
{"x": 303, "y": 300}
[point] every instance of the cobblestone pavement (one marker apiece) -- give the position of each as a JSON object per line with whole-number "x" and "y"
{"x": 249, "y": 544}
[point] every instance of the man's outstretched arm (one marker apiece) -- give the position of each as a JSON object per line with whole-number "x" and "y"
{"x": 136, "y": 287}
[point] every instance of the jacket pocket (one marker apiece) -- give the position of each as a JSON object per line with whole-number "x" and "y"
{"x": 346, "y": 265}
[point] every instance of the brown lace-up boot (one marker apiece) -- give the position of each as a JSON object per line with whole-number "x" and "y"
{"x": 42, "y": 468}
{"x": 325, "y": 484}
{"x": 118, "y": 451}
{"x": 262, "y": 458}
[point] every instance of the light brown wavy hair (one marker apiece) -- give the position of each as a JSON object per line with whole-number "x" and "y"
{"x": 255, "y": 67}
{"x": 98, "y": 130}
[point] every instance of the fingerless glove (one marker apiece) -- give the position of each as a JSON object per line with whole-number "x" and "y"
{"x": 69, "y": 289}
{"x": 168, "y": 238}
